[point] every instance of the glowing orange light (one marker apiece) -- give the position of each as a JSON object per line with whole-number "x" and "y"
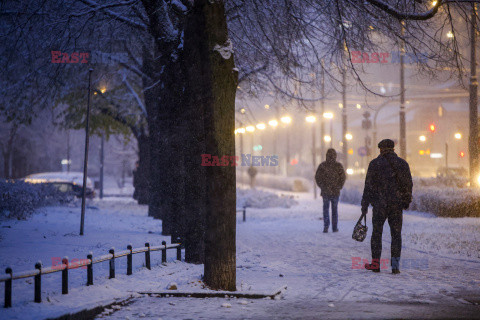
{"x": 432, "y": 128}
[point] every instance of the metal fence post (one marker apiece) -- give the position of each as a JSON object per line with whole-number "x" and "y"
{"x": 129, "y": 260}
{"x": 65, "y": 276}
{"x": 8, "y": 289}
{"x": 179, "y": 252}
{"x": 112, "y": 263}
{"x": 244, "y": 214}
{"x": 90, "y": 270}
{"x": 164, "y": 252}
{"x": 38, "y": 283}
{"x": 147, "y": 256}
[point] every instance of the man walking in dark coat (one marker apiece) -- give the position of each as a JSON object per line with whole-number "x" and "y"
{"x": 388, "y": 188}
{"x": 330, "y": 177}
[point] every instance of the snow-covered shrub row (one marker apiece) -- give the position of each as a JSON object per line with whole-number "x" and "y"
{"x": 18, "y": 199}
{"x": 295, "y": 184}
{"x": 253, "y": 198}
{"x": 441, "y": 201}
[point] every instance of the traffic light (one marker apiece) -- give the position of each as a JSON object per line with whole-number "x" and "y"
{"x": 432, "y": 128}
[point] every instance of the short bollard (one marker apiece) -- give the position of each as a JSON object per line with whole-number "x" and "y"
{"x": 38, "y": 283}
{"x": 8, "y": 289}
{"x": 65, "y": 276}
{"x": 129, "y": 260}
{"x": 90, "y": 270}
{"x": 164, "y": 252}
{"x": 112, "y": 263}
{"x": 179, "y": 252}
{"x": 147, "y": 256}
{"x": 244, "y": 214}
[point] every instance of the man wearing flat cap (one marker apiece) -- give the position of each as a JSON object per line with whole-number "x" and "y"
{"x": 388, "y": 188}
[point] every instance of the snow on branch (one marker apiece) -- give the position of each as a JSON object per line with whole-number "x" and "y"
{"x": 225, "y": 50}
{"x": 135, "y": 95}
{"x": 104, "y": 9}
{"x": 387, "y": 8}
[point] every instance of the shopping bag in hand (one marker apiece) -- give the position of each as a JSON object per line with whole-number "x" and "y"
{"x": 360, "y": 230}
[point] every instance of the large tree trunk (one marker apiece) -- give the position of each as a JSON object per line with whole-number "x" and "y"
{"x": 164, "y": 99}
{"x": 142, "y": 173}
{"x": 211, "y": 87}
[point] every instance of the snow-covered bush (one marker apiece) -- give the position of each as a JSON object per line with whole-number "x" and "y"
{"x": 441, "y": 201}
{"x": 253, "y": 198}
{"x": 295, "y": 184}
{"x": 18, "y": 199}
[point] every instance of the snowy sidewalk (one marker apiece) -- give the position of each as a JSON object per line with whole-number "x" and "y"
{"x": 286, "y": 246}
{"x": 275, "y": 247}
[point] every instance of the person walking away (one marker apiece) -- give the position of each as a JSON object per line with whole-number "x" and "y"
{"x": 252, "y": 172}
{"x": 388, "y": 188}
{"x": 330, "y": 178}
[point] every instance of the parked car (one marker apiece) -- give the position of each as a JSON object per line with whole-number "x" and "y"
{"x": 71, "y": 182}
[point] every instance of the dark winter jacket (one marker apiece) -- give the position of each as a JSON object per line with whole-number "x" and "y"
{"x": 330, "y": 176}
{"x": 384, "y": 185}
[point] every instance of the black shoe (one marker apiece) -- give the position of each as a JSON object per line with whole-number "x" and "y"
{"x": 368, "y": 266}
{"x": 325, "y": 230}
{"x": 395, "y": 271}
{"x": 335, "y": 230}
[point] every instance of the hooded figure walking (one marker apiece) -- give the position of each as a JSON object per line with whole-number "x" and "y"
{"x": 388, "y": 188}
{"x": 330, "y": 178}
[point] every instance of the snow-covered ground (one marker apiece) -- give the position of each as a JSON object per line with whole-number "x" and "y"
{"x": 276, "y": 246}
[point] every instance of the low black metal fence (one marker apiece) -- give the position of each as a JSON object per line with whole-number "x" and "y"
{"x": 89, "y": 262}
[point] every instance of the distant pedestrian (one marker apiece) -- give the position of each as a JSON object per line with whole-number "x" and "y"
{"x": 330, "y": 177}
{"x": 388, "y": 188}
{"x": 252, "y": 172}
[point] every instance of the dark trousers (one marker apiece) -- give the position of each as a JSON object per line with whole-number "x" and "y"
{"x": 326, "y": 216}
{"x": 395, "y": 218}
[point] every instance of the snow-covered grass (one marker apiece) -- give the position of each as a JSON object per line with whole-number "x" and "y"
{"x": 276, "y": 246}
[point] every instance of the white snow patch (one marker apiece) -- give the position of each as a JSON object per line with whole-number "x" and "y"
{"x": 225, "y": 50}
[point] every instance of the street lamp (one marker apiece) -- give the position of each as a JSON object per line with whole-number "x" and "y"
{"x": 359, "y": 106}
{"x": 261, "y": 126}
{"x": 329, "y": 115}
{"x": 349, "y": 136}
{"x": 286, "y": 120}
{"x": 250, "y": 129}
{"x": 422, "y": 138}
{"x": 458, "y": 136}
{"x": 240, "y": 130}
{"x": 273, "y": 123}
{"x": 327, "y": 138}
{"x": 311, "y": 119}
